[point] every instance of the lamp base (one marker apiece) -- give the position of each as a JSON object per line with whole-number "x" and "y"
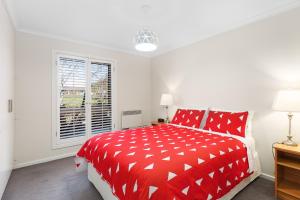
{"x": 290, "y": 142}
{"x": 167, "y": 120}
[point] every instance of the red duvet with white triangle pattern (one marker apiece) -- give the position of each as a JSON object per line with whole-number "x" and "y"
{"x": 167, "y": 163}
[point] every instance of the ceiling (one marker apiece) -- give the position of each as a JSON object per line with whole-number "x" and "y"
{"x": 113, "y": 23}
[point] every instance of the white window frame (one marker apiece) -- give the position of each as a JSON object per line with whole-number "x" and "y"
{"x": 56, "y": 141}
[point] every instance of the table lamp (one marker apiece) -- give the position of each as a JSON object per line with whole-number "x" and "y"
{"x": 166, "y": 100}
{"x": 288, "y": 101}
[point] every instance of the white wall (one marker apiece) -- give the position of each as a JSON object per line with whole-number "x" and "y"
{"x": 33, "y": 92}
{"x": 7, "y": 58}
{"x": 239, "y": 70}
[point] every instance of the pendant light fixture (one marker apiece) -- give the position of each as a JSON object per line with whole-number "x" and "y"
{"x": 146, "y": 40}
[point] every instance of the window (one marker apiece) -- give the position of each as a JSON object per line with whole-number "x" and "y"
{"x": 101, "y": 107}
{"x": 82, "y": 99}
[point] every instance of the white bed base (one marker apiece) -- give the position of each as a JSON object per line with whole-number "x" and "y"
{"x": 105, "y": 190}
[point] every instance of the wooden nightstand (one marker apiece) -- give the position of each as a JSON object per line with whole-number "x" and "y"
{"x": 287, "y": 172}
{"x": 156, "y": 123}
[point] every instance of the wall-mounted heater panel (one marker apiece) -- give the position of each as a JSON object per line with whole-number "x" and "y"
{"x": 132, "y": 119}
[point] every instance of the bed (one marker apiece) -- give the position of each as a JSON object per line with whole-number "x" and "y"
{"x": 171, "y": 161}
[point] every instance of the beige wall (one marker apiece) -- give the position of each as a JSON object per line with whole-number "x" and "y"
{"x": 239, "y": 70}
{"x": 7, "y": 58}
{"x": 33, "y": 92}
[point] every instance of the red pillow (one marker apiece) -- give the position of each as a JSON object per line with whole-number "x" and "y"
{"x": 187, "y": 117}
{"x": 227, "y": 122}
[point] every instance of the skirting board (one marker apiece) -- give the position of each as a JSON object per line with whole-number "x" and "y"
{"x": 44, "y": 160}
{"x": 267, "y": 176}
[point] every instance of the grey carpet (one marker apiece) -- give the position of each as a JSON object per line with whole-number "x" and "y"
{"x": 58, "y": 180}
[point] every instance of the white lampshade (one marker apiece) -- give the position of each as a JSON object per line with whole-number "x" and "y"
{"x": 146, "y": 41}
{"x": 166, "y": 100}
{"x": 287, "y": 101}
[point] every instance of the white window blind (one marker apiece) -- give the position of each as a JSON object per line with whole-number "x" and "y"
{"x": 101, "y": 97}
{"x": 72, "y": 89}
{"x": 83, "y": 98}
